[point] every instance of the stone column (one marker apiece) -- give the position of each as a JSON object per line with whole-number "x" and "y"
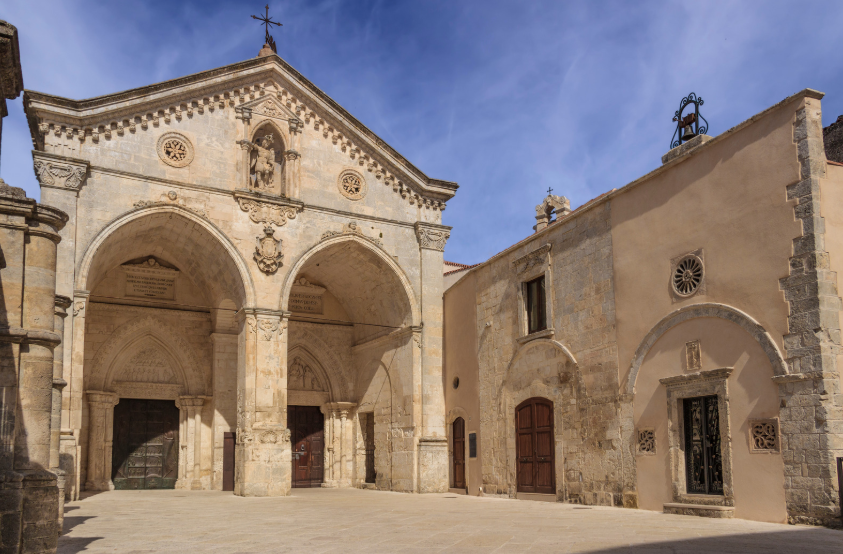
{"x": 328, "y": 412}
{"x": 191, "y": 407}
{"x": 433, "y": 442}
{"x": 62, "y": 303}
{"x": 100, "y": 436}
{"x": 292, "y": 174}
{"x": 263, "y": 461}
{"x": 74, "y": 398}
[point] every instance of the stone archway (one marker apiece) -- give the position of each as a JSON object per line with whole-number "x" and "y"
{"x": 542, "y": 368}
{"x": 158, "y": 288}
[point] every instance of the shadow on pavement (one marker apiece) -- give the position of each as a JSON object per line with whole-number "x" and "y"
{"x": 804, "y": 541}
{"x": 73, "y": 545}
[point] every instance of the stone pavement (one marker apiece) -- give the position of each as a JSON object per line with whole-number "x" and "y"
{"x": 351, "y": 520}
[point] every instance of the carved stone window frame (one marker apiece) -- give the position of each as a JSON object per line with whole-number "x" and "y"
{"x": 774, "y": 421}
{"x": 529, "y": 267}
{"x": 690, "y": 385}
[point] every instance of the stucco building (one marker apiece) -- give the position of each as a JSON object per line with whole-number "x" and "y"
{"x": 670, "y": 345}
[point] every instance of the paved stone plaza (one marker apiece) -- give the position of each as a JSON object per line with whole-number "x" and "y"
{"x": 343, "y": 520}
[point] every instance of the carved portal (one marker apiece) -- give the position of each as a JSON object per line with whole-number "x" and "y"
{"x": 268, "y": 251}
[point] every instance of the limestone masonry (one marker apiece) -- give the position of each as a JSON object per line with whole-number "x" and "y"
{"x": 232, "y": 284}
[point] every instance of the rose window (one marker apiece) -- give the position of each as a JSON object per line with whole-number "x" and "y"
{"x": 175, "y": 149}
{"x": 688, "y": 276}
{"x": 352, "y": 185}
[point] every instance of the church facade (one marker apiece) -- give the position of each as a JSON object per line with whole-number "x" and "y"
{"x": 671, "y": 345}
{"x": 253, "y": 277}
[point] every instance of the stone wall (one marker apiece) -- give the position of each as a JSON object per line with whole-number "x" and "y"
{"x": 833, "y": 141}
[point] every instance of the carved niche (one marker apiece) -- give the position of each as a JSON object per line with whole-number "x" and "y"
{"x": 266, "y": 161}
{"x": 302, "y": 377}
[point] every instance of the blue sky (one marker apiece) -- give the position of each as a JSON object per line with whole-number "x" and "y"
{"x": 507, "y": 98}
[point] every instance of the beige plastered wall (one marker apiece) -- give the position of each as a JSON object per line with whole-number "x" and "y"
{"x": 460, "y": 349}
{"x": 729, "y": 200}
{"x": 758, "y": 478}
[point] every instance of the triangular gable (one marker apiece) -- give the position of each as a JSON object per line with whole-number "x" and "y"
{"x": 267, "y": 83}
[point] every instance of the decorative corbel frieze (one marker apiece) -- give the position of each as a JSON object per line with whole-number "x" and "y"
{"x": 59, "y": 172}
{"x": 533, "y": 259}
{"x": 264, "y": 209}
{"x": 432, "y": 237}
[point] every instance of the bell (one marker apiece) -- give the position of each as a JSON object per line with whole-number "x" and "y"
{"x": 688, "y": 133}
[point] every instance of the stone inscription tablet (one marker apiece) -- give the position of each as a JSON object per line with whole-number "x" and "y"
{"x": 150, "y": 280}
{"x": 305, "y": 302}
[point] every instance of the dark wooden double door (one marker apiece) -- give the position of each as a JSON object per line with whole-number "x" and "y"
{"x": 458, "y": 433}
{"x": 703, "y": 459}
{"x": 535, "y": 446}
{"x": 307, "y": 437}
{"x": 145, "y": 451}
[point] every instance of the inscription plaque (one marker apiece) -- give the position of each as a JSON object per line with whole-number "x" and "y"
{"x": 305, "y": 297}
{"x": 150, "y": 279}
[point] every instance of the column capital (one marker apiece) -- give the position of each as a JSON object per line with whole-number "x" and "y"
{"x": 432, "y": 236}
{"x": 102, "y": 397}
{"x": 60, "y": 172}
{"x": 190, "y": 401}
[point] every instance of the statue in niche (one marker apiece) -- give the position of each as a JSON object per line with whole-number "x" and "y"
{"x": 265, "y": 163}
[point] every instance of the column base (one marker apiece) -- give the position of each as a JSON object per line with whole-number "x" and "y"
{"x": 99, "y": 485}
{"x": 433, "y": 464}
{"x": 11, "y": 506}
{"x": 329, "y": 485}
{"x": 39, "y": 530}
{"x": 263, "y": 462}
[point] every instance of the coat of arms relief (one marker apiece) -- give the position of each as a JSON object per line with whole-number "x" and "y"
{"x": 268, "y": 253}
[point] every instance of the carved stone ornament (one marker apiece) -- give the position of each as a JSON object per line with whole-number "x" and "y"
{"x": 535, "y": 258}
{"x": 647, "y": 442}
{"x": 432, "y": 238}
{"x": 302, "y": 377}
{"x": 351, "y": 228}
{"x": 764, "y": 435}
{"x": 352, "y": 185}
{"x": 169, "y": 199}
{"x": 268, "y": 328}
{"x": 61, "y": 175}
{"x": 267, "y": 212}
{"x": 268, "y": 251}
{"x": 175, "y": 149}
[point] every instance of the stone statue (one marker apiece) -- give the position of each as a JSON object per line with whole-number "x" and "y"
{"x": 263, "y": 163}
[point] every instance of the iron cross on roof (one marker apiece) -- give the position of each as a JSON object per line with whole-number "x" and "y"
{"x": 549, "y": 190}
{"x": 267, "y": 23}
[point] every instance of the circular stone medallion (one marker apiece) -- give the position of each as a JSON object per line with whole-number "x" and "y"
{"x": 352, "y": 185}
{"x": 175, "y": 149}
{"x": 688, "y": 275}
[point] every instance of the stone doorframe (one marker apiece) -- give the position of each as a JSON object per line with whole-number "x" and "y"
{"x": 453, "y": 414}
{"x": 339, "y": 460}
{"x": 704, "y": 383}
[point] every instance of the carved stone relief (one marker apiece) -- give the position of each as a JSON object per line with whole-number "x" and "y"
{"x": 535, "y": 258}
{"x": 432, "y": 238}
{"x": 267, "y": 212}
{"x": 268, "y": 251}
{"x": 302, "y": 377}
{"x": 693, "y": 359}
{"x": 62, "y": 175}
{"x": 149, "y": 365}
{"x": 646, "y": 442}
{"x": 351, "y": 228}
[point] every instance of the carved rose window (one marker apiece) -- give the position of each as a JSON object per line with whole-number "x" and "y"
{"x": 764, "y": 435}
{"x": 687, "y": 276}
{"x": 175, "y": 149}
{"x": 352, "y": 185}
{"x": 646, "y": 441}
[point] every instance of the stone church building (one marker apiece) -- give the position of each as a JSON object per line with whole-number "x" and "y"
{"x": 232, "y": 284}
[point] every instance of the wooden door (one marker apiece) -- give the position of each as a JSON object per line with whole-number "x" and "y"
{"x": 703, "y": 459}
{"x": 307, "y": 435}
{"x": 535, "y": 446}
{"x": 228, "y": 441}
{"x": 145, "y": 451}
{"x": 459, "y": 453}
